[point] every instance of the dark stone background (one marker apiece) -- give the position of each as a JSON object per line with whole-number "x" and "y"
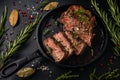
{"x": 31, "y": 45}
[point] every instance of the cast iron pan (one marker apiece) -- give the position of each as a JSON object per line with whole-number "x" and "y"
{"x": 98, "y": 43}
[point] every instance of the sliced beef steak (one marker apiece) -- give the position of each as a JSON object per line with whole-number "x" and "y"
{"x": 85, "y": 32}
{"x": 78, "y": 24}
{"x": 63, "y": 40}
{"x": 79, "y": 45}
{"x": 57, "y": 53}
{"x": 80, "y": 20}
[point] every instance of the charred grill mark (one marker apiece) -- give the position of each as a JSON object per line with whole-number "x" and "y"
{"x": 60, "y": 45}
{"x": 59, "y": 36}
{"x": 67, "y": 39}
{"x": 72, "y": 41}
{"x": 57, "y": 54}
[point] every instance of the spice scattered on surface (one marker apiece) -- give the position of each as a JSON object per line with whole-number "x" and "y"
{"x": 32, "y": 65}
{"x": 12, "y": 32}
{"x": 43, "y": 68}
{"x": 30, "y": 17}
{"x": 19, "y": 2}
{"x": 24, "y": 13}
{"x": 110, "y": 61}
{"x": 50, "y": 72}
{"x": 48, "y": 24}
{"x": 101, "y": 65}
{"x": 53, "y": 31}
{"x": 35, "y": 37}
{"x": 14, "y": 3}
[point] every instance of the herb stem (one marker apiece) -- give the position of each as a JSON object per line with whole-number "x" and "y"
{"x": 66, "y": 76}
{"x": 105, "y": 76}
{"x": 114, "y": 31}
{"x": 114, "y": 9}
{"x": 20, "y": 39}
{"x": 41, "y": 4}
{"x": 2, "y": 23}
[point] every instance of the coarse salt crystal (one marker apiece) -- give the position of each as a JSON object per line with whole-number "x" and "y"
{"x": 32, "y": 65}
{"x": 43, "y": 68}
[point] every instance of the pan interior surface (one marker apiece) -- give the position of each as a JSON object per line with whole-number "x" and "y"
{"x": 48, "y": 27}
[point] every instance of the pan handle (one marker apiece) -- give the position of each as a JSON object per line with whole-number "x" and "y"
{"x": 6, "y": 71}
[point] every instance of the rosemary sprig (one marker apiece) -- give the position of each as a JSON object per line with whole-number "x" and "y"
{"x": 43, "y": 3}
{"x": 114, "y": 30}
{"x": 92, "y": 76}
{"x": 109, "y": 75}
{"x": 114, "y": 9}
{"x": 67, "y": 76}
{"x": 105, "y": 76}
{"x": 21, "y": 38}
{"x": 2, "y": 23}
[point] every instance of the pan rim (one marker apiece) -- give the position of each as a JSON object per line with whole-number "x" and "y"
{"x": 70, "y": 66}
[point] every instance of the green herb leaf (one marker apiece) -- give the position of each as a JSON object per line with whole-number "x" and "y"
{"x": 43, "y": 3}
{"x": 105, "y": 76}
{"x": 46, "y": 31}
{"x": 92, "y": 52}
{"x": 112, "y": 26}
{"x": 20, "y": 39}
{"x": 114, "y": 9}
{"x": 74, "y": 35}
{"x": 67, "y": 76}
{"x": 2, "y": 23}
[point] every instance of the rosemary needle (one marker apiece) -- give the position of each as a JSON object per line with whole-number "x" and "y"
{"x": 2, "y": 23}
{"x": 67, "y": 76}
{"x": 114, "y": 9}
{"x": 114, "y": 74}
{"x": 21, "y": 38}
{"x": 113, "y": 29}
{"x": 43, "y": 3}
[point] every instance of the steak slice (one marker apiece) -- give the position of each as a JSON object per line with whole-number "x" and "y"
{"x": 70, "y": 23}
{"x": 78, "y": 45}
{"x": 85, "y": 32}
{"x": 57, "y": 53}
{"x": 63, "y": 40}
{"x": 79, "y": 20}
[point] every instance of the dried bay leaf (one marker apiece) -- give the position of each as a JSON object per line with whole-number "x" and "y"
{"x": 25, "y": 72}
{"x": 51, "y": 6}
{"x": 13, "y": 18}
